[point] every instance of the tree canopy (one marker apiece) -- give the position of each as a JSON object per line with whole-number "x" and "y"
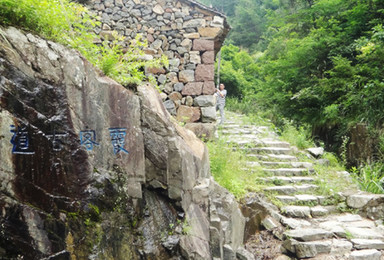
{"x": 317, "y": 62}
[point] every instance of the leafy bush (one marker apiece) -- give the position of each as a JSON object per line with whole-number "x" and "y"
{"x": 71, "y": 24}
{"x": 370, "y": 177}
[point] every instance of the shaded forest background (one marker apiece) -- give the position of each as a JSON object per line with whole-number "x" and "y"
{"x": 317, "y": 63}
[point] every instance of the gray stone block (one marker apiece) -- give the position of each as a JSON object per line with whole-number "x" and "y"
{"x": 204, "y": 101}
{"x": 208, "y": 114}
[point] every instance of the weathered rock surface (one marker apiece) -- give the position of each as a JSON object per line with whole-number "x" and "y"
{"x": 97, "y": 171}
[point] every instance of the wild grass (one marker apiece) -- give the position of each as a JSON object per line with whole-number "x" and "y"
{"x": 297, "y": 136}
{"x": 228, "y": 169}
{"x": 71, "y": 24}
{"x": 370, "y": 177}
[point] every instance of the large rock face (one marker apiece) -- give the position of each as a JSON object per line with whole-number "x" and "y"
{"x": 91, "y": 170}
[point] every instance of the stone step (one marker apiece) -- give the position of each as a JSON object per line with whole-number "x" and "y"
{"x": 287, "y": 179}
{"x": 288, "y": 171}
{"x": 268, "y": 150}
{"x": 304, "y": 211}
{"x": 231, "y": 125}
{"x": 368, "y": 254}
{"x": 237, "y": 126}
{"x": 282, "y": 157}
{"x": 253, "y": 164}
{"x": 291, "y": 189}
{"x": 235, "y": 131}
{"x": 308, "y": 234}
{"x": 368, "y": 244}
{"x": 312, "y": 248}
{"x": 254, "y": 141}
{"x": 301, "y": 199}
{"x": 320, "y": 249}
{"x": 244, "y": 141}
{"x": 274, "y": 143}
{"x": 272, "y": 164}
{"x": 240, "y": 143}
{"x": 364, "y": 233}
{"x": 294, "y": 223}
{"x": 274, "y": 157}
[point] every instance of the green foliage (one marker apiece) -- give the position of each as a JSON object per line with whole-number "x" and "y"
{"x": 227, "y": 167}
{"x": 370, "y": 177}
{"x": 237, "y": 70}
{"x": 71, "y": 24}
{"x": 316, "y": 62}
{"x": 186, "y": 227}
{"x": 299, "y": 137}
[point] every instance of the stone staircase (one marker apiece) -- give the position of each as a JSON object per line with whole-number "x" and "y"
{"x": 313, "y": 226}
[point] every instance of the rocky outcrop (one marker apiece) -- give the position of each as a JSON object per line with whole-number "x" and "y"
{"x": 187, "y": 32}
{"x": 91, "y": 170}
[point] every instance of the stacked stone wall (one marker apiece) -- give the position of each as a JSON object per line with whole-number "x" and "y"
{"x": 188, "y": 33}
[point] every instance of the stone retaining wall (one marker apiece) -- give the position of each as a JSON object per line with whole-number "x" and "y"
{"x": 189, "y": 34}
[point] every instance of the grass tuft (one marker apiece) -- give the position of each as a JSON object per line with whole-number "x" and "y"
{"x": 228, "y": 169}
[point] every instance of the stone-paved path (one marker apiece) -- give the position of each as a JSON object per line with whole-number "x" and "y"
{"x": 312, "y": 229}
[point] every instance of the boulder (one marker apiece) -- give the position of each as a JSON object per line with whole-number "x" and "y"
{"x": 186, "y": 76}
{"x": 174, "y": 96}
{"x": 316, "y": 152}
{"x": 204, "y": 101}
{"x": 192, "y": 89}
{"x": 194, "y": 23}
{"x": 208, "y": 57}
{"x": 170, "y": 106}
{"x": 188, "y": 114}
{"x": 205, "y": 131}
{"x": 194, "y": 57}
{"x": 205, "y": 72}
{"x": 208, "y": 114}
{"x": 359, "y": 200}
{"x": 209, "y": 88}
{"x": 210, "y": 32}
{"x": 203, "y": 45}
{"x": 178, "y": 87}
